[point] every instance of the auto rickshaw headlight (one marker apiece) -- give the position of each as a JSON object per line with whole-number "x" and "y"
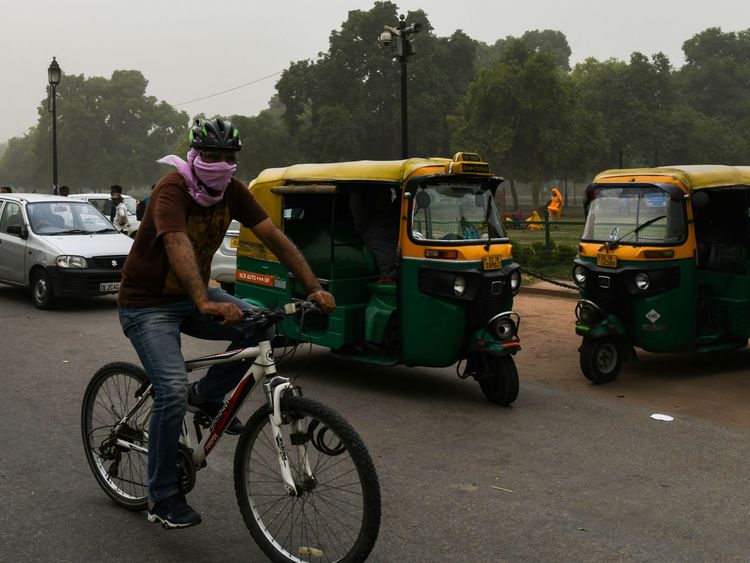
{"x": 579, "y": 275}
{"x": 459, "y": 286}
{"x": 642, "y": 281}
{"x": 515, "y": 281}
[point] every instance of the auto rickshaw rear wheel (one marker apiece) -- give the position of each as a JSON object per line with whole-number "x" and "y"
{"x": 601, "y": 359}
{"x": 498, "y": 378}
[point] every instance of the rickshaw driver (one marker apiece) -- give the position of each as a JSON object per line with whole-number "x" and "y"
{"x": 375, "y": 217}
{"x": 164, "y": 293}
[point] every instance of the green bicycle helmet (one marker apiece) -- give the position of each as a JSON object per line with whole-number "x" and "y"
{"x": 215, "y": 134}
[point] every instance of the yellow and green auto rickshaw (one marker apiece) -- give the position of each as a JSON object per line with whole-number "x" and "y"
{"x": 663, "y": 264}
{"x": 450, "y": 293}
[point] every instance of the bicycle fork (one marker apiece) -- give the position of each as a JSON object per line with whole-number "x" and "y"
{"x": 274, "y": 389}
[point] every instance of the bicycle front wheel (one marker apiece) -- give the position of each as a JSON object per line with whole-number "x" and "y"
{"x": 121, "y": 471}
{"x": 335, "y": 515}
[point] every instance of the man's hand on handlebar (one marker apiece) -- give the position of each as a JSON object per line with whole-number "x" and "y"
{"x": 324, "y": 299}
{"x": 229, "y": 313}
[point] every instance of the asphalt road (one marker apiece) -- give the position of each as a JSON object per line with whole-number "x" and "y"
{"x": 566, "y": 474}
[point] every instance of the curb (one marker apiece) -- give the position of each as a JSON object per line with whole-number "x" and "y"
{"x": 549, "y": 291}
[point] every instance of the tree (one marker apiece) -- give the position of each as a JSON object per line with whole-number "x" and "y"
{"x": 516, "y": 114}
{"x": 545, "y": 41}
{"x": 716, "y": 75}
{"x": 346, "y": 104}
{"x": 634, "y": 101}
{"x": 109, "y": 132}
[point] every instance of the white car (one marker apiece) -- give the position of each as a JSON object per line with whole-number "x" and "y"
{"x": 224, "y": 262}
{"x": 103, "y": 202}
{"x": 59, "y": 247}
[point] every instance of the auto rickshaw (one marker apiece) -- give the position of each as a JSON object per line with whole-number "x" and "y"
{"x": 663, "y": 264}
{"x": 452, "y": 296}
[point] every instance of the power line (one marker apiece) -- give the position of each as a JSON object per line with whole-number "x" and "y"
{"x": 229, "y": 89}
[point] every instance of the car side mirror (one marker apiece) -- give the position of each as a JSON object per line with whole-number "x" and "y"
{"x": 19, "y": 231}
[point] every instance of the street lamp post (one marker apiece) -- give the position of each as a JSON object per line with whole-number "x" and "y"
{"x": 401, "y": 48}
{"x": 53, "y": 74}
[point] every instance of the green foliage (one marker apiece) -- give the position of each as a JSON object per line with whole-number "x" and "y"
{"x": 516, "y": 114}
{"x": 346, "y": 104}
{"x": 539, "y": 258}
{"x": 108, "y": 132}
{"x": 516, "y": 102}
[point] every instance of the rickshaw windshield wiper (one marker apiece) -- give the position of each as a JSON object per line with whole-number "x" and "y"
{"x": 611, "y": 245}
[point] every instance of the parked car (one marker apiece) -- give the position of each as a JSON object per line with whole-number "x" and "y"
{"x": 59, "y": 247}
{"x": 224, "y": 263}
{"x": 103, "y": 203}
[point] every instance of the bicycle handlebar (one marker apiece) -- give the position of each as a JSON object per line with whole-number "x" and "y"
{"x": 275, "y": 315}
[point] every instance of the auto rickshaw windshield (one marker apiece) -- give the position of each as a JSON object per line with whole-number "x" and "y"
{"x": 455, "y": 211}
{"x": 634, "y": 215}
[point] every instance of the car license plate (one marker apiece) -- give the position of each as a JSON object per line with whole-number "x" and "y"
{"x": 492, "y": 262}
{"x": 234, "y": 242}
{"x": 607, "y": 260}
{"x": 113, "y": 286}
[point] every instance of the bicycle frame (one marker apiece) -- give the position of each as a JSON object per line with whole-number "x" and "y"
{"x": 263, "y": 367}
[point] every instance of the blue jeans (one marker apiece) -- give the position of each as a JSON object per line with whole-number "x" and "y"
{"x": 155, "y": 335}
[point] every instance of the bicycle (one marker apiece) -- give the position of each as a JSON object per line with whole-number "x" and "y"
{"x": 322, "y": 504}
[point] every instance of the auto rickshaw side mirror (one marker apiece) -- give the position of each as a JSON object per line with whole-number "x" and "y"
{"x": 422, "y": 199}
{"x": 294, "y": 213}
{"x": 699, "y": 200}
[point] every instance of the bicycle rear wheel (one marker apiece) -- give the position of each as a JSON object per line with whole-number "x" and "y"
{"x": 110, "y": 395}
{"x": 336, "y": 515}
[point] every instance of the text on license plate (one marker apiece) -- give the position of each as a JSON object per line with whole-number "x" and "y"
{"x": 234, "y": 242}
{"x": 112, "y": 286}
{"x": 492, "y": 262}
{"x": 606, "y": 260}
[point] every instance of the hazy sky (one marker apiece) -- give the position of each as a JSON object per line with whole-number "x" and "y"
{"x": 188, "y": 49}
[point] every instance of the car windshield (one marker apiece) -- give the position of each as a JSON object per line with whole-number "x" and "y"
{"x": 68, "y": 217}
{"x": 455, "y": 211}
{"x": 635, "y": 216}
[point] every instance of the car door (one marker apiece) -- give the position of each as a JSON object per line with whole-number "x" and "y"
{"x": 12, "y": 246}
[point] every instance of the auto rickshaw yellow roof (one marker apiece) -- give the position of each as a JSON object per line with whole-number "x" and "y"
{"x": 362, "y": 170}
{"x": 693, "y": 177}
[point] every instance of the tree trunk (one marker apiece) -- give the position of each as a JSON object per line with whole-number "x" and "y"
{"x": 513, "y": 194}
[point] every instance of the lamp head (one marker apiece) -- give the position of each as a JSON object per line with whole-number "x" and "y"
{"x": 54, "y": 72}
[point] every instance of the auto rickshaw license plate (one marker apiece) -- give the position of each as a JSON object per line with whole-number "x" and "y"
{"x": 492, "y": 262}
{"x": 234, "y": 242}
{"x": 606, "y": 260}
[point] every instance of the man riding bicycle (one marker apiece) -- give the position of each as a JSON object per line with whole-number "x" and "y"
{"x": 164, "y": 293}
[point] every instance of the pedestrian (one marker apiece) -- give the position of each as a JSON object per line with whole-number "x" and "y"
{"x": 115, "y": 189}
{"x": 64, "y": 191}
{"x": 6, "y": 189}
{"x": 120, "y": 219}
{"x": 164, "y": 292}
{"x": 554, "y": 208}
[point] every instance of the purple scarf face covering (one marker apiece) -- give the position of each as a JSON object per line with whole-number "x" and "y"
{"x": 199, "y": 175}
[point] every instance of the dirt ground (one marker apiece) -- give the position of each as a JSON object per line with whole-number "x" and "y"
{"x": 713, "y": 386}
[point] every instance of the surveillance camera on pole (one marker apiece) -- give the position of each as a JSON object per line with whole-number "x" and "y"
{"x": 397, "y": 38}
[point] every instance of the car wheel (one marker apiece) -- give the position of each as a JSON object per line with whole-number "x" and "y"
{"x": 41, "y": 290}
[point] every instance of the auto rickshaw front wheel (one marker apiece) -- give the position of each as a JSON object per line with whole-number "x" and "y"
{"x": 498, "y": 378}
{"x": 601, "y": 359}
